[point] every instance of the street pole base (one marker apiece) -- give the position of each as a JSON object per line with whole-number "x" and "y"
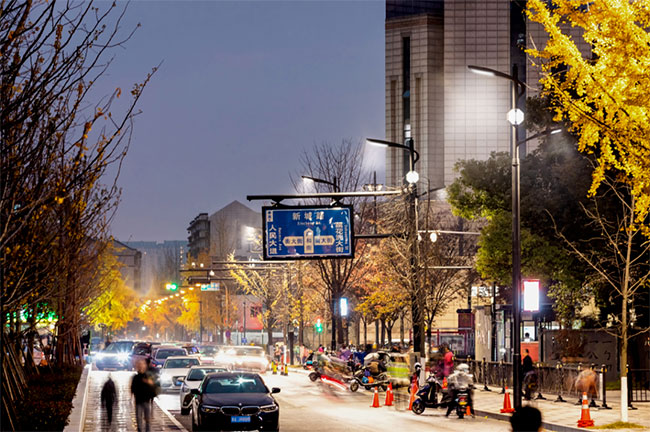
{"x": 604, "y": 406}
{"x": 485, "y": 388}
{"x": 559, "y": 399}
{"x": 540, "y": 397}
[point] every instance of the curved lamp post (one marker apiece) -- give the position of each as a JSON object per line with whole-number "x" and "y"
{"x": 515, "y": 117}
{"x": 412, "y": 177}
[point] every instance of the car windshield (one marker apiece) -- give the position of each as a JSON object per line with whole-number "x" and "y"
{"x": 118, "y": 347}
{"x": 235, "y": 384}
{"x": 142, "y": 349}
{"x": 180, "y": 363}
{"x": 199, "y": 374}
{"x": 247, "y": 351}
{"x": 208, "y": 350}
{"x": 164, "y": 353}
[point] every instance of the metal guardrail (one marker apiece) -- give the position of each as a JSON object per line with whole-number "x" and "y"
{"x": 639, "y": 385}
{"x": 559, "y": 379}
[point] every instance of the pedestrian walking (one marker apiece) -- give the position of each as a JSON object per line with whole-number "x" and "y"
{"x": 448, "y": 361}
{"x": 108, "y": 398}
{"x": 143, "y": 390}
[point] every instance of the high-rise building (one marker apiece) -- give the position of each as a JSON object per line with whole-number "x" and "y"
{"x": 198, "y": 240}
{"x": 451, "y": 113}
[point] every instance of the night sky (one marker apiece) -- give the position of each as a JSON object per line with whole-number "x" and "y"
{"x": 243, "y": 89}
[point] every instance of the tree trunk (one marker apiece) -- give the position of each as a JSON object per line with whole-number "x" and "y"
{"x": 377, "y": 333}
{"x": 624, "y": 330}
{"x": 333, "y": 310}
{"x": 401, "y": 329}
{"x": 365, "y": 333}
{"x": 383, "y": 333}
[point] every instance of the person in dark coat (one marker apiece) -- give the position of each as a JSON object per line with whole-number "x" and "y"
{"x": 108, "y": 398}
{"x": 143, "y": 390}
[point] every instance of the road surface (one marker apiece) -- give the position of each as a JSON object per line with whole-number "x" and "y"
{"x": 315, "y": 407}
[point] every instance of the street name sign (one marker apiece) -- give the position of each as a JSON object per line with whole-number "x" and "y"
{"x": 212, "y": 286}
{"x": 304, "y": 232}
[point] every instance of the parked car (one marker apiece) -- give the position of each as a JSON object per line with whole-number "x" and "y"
{"x": 160, "y": 354}
{"x": 175, "y": 367}
{"x": 115, "y": 356}
{"x": 191, "y": 381}
{"x": 234, "y": 401}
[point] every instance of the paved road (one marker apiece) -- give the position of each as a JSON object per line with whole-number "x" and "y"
{"x": 307, "y": 406}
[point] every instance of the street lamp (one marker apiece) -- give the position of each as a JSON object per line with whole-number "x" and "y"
{"x": 515, "y": 117}
{"x": 412, "y": 177}
{"x": 308, "y": 180}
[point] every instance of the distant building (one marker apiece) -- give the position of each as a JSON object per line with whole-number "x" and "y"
{"x": 160, "y": 260}
{"x": 198, "y": 240}
{"x": 235, "y": 229}
{"x": 131, "y": 260}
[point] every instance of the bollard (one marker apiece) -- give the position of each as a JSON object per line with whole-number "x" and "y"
{"x": 603, "y": 375}
{"x": 485, "y": 387}
{"x": 539, "y": 384}
{"x": 560, "y": 383}
{"x": 593, "y": 403}
{"x": 503, "y": 377}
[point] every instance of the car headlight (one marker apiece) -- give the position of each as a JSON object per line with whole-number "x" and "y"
{"x": 165, "y": 378}
{"x": 123, "y": 356}
{"x": 209, "y": 409}
{"x": 269, "y": 408}
{"x": 99, "y": 356}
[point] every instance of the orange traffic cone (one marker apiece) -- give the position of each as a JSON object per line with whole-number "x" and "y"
{"x": 414, "y": 391}
{"x": 389, "y": 396}
{"x": 585, "y": 419}
{"x": 507, "y": 408}
{"x": 375, "y": 400}
{"x": 468, "y": 411}
{"x": 444, "y": 383}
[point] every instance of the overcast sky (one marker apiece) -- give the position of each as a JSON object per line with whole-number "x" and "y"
{"x": 244, "y": 87}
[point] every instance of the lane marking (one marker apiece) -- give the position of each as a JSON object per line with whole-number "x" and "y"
{"x": 170, "y": 416}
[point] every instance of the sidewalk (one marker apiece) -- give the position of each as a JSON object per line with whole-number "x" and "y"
{"x": 560, "y": 416}
{"x": 557, "y": 416}
{"x": 124, "y": 411}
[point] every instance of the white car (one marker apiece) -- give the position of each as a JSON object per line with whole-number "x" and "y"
{"x": 175, "y": 367}
{"x": 192, "y": 381}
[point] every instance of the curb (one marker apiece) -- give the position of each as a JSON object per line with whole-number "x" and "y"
{"x": 547, "y": 426}
{"x": 77, "y": 416}
{"x": 178, "y": 424}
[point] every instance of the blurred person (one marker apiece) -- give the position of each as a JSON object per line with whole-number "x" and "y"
{"x": 460, "y": 379}
{"x": 586, "y": 383}
{"x": 448, "y": 361}
{"x": 526, "y": 419}
{"x": 108, "y": 398}
{"x": 143, "y": 390}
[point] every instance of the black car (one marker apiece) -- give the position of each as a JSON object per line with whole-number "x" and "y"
{"x": 234, "y": 401}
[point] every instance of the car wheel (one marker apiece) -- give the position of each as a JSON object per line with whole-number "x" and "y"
{"x": 313, "y": 376}
{"x": 185, "y": 411}
{"x": 195, "y": 427}
{"x": 354, "y": 386}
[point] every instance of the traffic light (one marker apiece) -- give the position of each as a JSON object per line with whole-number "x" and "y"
{"x": 318, "y": 326}
{"x": 173, "y": 286}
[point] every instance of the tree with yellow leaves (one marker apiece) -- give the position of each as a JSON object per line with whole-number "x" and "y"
{"x": 604, "y": 99}
{"x": 115, "y": 305}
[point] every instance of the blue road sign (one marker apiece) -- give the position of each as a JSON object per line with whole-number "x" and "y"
{"x": 212, "y": 286}
{"x": 308, "y": 232}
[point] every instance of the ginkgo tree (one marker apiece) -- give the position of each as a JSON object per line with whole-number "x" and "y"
{"x": 115, "y": 306}
{"x": 603, "y": 98}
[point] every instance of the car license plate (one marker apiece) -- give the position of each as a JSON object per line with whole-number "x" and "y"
{"x": 240, "y": 419}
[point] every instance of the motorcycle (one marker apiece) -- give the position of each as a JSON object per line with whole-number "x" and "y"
{"x": 462, "y": 401}
{"x": 363, "y": 378}
{"x": 427, "y": 396}
{"x": 314, "y": 375}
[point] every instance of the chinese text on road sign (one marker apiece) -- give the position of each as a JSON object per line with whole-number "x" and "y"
{"x": 308, "y": 232}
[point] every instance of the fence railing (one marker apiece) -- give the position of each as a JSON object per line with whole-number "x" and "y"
{"x": 638, "y": 385}
{"x": 554, "y": 381}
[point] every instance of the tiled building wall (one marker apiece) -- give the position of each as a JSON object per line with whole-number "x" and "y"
{"x": 476, "y": 33}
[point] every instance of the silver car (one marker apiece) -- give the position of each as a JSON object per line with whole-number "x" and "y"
{"x": 191, "y": 381}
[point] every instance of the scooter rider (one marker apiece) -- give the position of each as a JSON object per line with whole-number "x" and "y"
{"x": 460, "y": 379}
